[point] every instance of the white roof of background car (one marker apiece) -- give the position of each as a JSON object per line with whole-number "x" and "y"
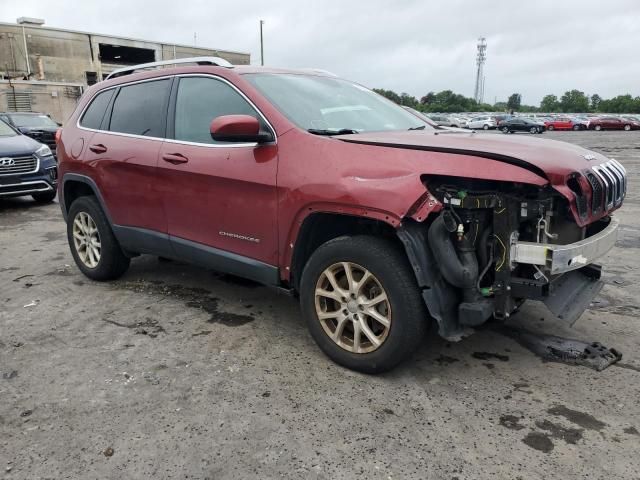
{"x": 214, "y": 61}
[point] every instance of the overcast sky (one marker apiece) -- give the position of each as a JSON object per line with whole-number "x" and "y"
{"x": 414, "y": 46}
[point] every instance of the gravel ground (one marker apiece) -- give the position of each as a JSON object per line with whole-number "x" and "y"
{"x": 178, "y": 372}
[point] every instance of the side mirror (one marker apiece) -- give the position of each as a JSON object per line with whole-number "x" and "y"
{"x": 238, "y": 128}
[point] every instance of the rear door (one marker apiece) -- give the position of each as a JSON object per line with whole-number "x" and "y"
{"x": 124, "y": 154}
{"x": 215, "y": 194}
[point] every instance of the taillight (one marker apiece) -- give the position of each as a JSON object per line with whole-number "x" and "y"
{"x": 58, "y": 133}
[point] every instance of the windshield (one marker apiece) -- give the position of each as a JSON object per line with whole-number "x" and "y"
{"x": 330, "y": 104}
{"x": 32, "y": 121}
{"x": 6, "y": 130}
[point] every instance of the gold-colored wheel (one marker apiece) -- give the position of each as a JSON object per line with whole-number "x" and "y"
{"x": 353, "y": 307}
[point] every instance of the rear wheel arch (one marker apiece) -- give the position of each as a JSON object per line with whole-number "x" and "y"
{"x": 75, "y": 186}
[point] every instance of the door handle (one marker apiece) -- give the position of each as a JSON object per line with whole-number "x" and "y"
{"x": 175, "y": 158}
{"x": 98, "y": 148}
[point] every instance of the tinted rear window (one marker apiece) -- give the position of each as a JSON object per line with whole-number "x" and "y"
{"x": 141, "y": 109}
{"x": 93, "y": 116}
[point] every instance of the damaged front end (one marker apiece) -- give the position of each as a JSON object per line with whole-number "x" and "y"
{"x": 493, "y": 245}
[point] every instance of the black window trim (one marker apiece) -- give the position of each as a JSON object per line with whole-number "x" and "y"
{"x": 171, "y": 111}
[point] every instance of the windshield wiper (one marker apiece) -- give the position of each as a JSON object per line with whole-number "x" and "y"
{"x": 342, "y": 131}
{"x": 421, "y": 127}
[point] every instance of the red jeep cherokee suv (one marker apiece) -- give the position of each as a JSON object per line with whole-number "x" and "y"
{"x": 307, "y": 182}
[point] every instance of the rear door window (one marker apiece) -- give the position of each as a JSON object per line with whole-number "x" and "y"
{"x": 94, "y": 114}
{"x": 141, "y": 109}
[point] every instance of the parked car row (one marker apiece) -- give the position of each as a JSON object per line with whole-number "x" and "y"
{"x": 28, "y": 165}
{"x": 551, "y": 122}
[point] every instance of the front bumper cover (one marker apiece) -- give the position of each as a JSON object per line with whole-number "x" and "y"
{"x": 557, "y": 259}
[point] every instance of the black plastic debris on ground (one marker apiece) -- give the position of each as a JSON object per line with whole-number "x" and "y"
{"x": 564, "y": 350}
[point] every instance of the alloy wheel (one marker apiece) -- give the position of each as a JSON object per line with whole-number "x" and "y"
{"x": 86, "y": 239}
{"x": 353, "y": 307}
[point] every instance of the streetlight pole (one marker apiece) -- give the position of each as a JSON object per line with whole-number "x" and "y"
{"x": 261, "y": 44}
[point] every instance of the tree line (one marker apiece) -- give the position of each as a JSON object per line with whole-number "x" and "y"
{"x": 572, "y": 101}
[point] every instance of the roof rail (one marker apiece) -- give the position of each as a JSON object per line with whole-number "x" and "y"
{"x": 214, "y": 61}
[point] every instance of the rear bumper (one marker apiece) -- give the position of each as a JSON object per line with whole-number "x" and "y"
{"x": 557, "y": 259}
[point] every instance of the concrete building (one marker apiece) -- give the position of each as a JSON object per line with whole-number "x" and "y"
{"x": 46, "y": 69}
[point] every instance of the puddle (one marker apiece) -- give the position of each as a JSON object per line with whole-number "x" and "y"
{"x": 581, "y": 419}
{"x": 193, "y": 297}
{"x": 511, "y": 422}
{"x": 538, "y": 441}
{"x": 149, "y": 327}
{"x": 569, "y": 435}
{"x": 490, "y": 356}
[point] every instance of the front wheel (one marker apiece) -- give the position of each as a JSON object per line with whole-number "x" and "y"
{"x": 362, "y": 304}
{"x": 505, "y": 129}
{"x": 485, "y": 127}
{"x": 576, "y": 128}
{"x": 627, "y": 128}
{"x": 550, "y": 128}
{"x": 597, "y": 128}
{"x": 533, "y": 130}
{"x": 94, "y": 247}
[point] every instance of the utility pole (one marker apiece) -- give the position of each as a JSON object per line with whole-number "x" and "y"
{"x": 261, "y": 44}
{"x": 481, "y": 57}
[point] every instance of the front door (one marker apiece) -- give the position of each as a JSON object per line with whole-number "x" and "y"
{"x": 219, "y": 197}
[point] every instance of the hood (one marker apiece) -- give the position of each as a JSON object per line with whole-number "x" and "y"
{"x": 550, "y": 159}
{"x": 17, "y": 145}
{"x": 38, "y": 129}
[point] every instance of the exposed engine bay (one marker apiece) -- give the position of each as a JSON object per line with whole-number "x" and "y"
{"x": 494, "y": 245}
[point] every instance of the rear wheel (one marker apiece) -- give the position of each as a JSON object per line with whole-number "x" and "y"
{"x": 505, "y": 129}
{"x": 550, "y": 128}
{"x": 93, "y": 245}
{"x": 533, "y": 130}
{"x": 44, "y": 197}
{"x": 362, "y": 304}
{"x": 597, "y": 128}
{"x": 576, "y": 128}
{"x": 485, "y": 127}
{"x": 627, "y": 128}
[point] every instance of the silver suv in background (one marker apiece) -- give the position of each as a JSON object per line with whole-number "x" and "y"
{"x": 484, "y": 122}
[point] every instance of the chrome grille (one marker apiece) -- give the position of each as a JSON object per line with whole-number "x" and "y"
{"x": 18, "y": 165}
{"x": 596, "y": 192}
{"x": 613, "y": 177}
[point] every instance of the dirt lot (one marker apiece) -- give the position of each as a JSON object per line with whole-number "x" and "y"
{"x": 178, "y": 372}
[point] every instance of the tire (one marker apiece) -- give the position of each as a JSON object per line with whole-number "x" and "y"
{"x": 44, "y": 197}
{"x": 403, "y": 306}
{"x": 533, "y": 130}
{"x": 550, "y": 128}
{"x": 505, "y": 129}
{"x": 111, "y": 262}
{"x": 485, "y": 127}
{"x": 627, "y": 128}
{"x": 576, "y": 128}
{"x": 597, "y": 128}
